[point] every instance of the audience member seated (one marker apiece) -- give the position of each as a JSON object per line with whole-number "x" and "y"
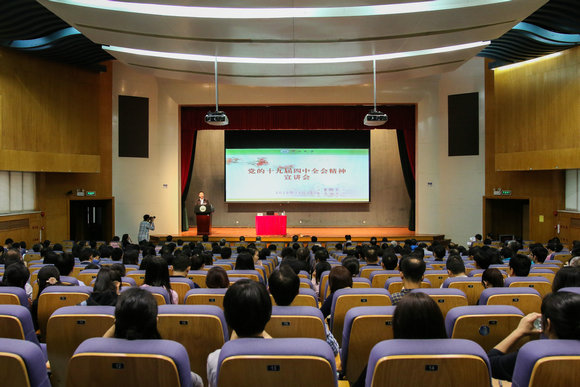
{"x": 438, "y": 252}
{"x": 106, "y": 289}
{"x": 559, "y": 320}
{"x": 225, "y": 252}
{"x": 519, "y": 266}
{"x": 244, "y": 261}
{"x": 455, "y": 266}
{"x": 416, "y": 316}
{"x": 412, "y": 271}
{"x": 17, "y": 275}
{"x": 136, "y": 319}
{"x": 390, "y": 260}
{"x": 352, "y": 264}
{"x": 320, "y": 268}
{"x": 65, "y": 264}
{"x": 247, "y": 308}
{"x": 217, "y": 277}
{"x": 284, "y": 286}
{"x": 339, "y": 278}
{"x": 492, "y": 278}
{"x": 157, "y": 274}
{"x": 181, "y": 266}
{"x": 539, "y": 254}
{"x": 568, "y": 276}
{"x": 47, "y": 276}
{"x": 371, "y": 257}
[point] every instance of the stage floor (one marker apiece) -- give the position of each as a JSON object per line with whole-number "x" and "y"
{"x": 304, "y": 233}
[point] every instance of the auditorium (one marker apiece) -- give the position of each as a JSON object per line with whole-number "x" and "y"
{"x": 388, "y": 191}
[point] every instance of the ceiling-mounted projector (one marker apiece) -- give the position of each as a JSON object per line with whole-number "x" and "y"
{"x": 375, "y": 118}
{"x": 216, "y": 118}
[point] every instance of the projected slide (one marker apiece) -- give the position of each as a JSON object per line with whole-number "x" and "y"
{"x": 297, "y": 175}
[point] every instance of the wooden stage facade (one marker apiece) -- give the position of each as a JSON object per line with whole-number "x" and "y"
{"x": 324, "y": 234}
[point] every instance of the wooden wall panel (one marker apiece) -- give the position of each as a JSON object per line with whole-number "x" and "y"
{"x": 21, "y": 227}
{"x": 569, "y": 222}
{"x": 544, "y": 189}
{"x": 539, "y": 120}
{"x": 50, "y": 109}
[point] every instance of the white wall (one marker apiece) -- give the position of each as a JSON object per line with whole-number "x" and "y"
{"x": 451, "y": 205}
{"x": 573, "y": 189}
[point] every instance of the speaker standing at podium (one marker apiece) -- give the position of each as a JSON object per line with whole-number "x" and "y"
{"x": 201, "y": 200}
{"x": 203, "y": 210}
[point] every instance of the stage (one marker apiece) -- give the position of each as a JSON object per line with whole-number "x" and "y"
{"x": 324, "y": 234}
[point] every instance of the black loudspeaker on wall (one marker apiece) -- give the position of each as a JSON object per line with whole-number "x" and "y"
{"x": 463, "y": 114}
{"x": 133, "y": 126}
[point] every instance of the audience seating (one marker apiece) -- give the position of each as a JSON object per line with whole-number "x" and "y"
{"x": 198, "y": 277}
{"x": 22, "y": 364}
{"x": 88, "y": 275}
{"x": 436, "y": 277}
{"x": 471, "y": 286}
{"x": 527, "y": 300}
{"x": 54, "y": 297}
{"x": 437, "y": 362}
{"x": 345, "y": 299}
{"x": 364, "y": 326}
{"x": 541, "y": 284}
{"x": 128, "y": 282}
{"x": 181, "y": 286}
{"x": 254, "y": 275}
{"x": 305, "y": 297}
{"x": 276, "y": 362}
{"x": 541, "y": 272}
{"x": 553, "y": 266}
{"x": 395, "y": 285}
{"x": 570, "y": 289}
{"x": 161, "y": 294}
{"x": 487, "y": 325}
{"x": 361, "y": 283}
{"x": 138, "y": 276}
{"x": 445, "y": 298}
{"x": 67, "y": 328}
{"x": 70, "y": 281}
{"x": 379, "y": 277}
{"x": 119, "y": 362}
{"x": 366, "y": 271}
{"x": 296, "y": 321}
{"x": 305, "y": 283}
{"x": 16, "y": 323}
{"x": 322, "y": 284}
{"x": 548, "y": 363}
{"x": 11, "y": 295}
{"x": 205, "y": 296}
{"x": 200, "y": 328}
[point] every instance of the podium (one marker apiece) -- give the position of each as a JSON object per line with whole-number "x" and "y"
{"x": 203, "y": 218}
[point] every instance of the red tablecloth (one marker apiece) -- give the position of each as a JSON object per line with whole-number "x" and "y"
{"x": 271, "y": 225}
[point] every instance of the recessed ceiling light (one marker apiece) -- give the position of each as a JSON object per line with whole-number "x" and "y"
{"x": 350, "y": 59}
{"x": 273, "y": 13}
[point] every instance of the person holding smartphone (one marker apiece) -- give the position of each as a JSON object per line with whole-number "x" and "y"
{"x": 558, "y": 320}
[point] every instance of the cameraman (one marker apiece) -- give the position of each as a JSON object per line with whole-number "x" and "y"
{"x": 144, "y": 227}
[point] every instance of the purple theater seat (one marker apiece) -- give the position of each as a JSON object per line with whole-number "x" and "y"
{"x": 305, "y": 281}
{"x": 159, "y": 290}
{"x": 399, "y": 280}
{"x": 23, "y": 315}
{"x": 440, "y": 291}
{"x": 129, "y": 280}
{"x": 487, "y": 293}
{"x": 232, "y": 273}
{"x": 304, "y": 272}
{"x": 184, "y": 280}
{"x": 456, "y": 313}
{"x": 20, "y": 293}
{"x": 349, "y": 319}
{"x": 510, "y": 280}
{"x": 534, "y": 351}
{"x": 472, "y": 273}
{"x": 32, "y": 357}
{"x": 407, "y": 347}
{"x": 210, "y": 310}
{"x": 297, "y": 311}
{"x": 67, "y": 280}
{"x": 570, "y": 289}
{"x": 165, "y": 348}
{"x": 280, "y": 350}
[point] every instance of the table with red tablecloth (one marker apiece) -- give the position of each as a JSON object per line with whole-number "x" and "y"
{"x": 270, "y": 224}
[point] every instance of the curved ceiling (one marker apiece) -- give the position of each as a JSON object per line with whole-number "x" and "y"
{"x": 298, "y": 43}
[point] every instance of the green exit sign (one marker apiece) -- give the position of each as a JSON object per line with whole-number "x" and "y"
{"x": 91, "y": 193}
{"x": 503, "y": 192}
